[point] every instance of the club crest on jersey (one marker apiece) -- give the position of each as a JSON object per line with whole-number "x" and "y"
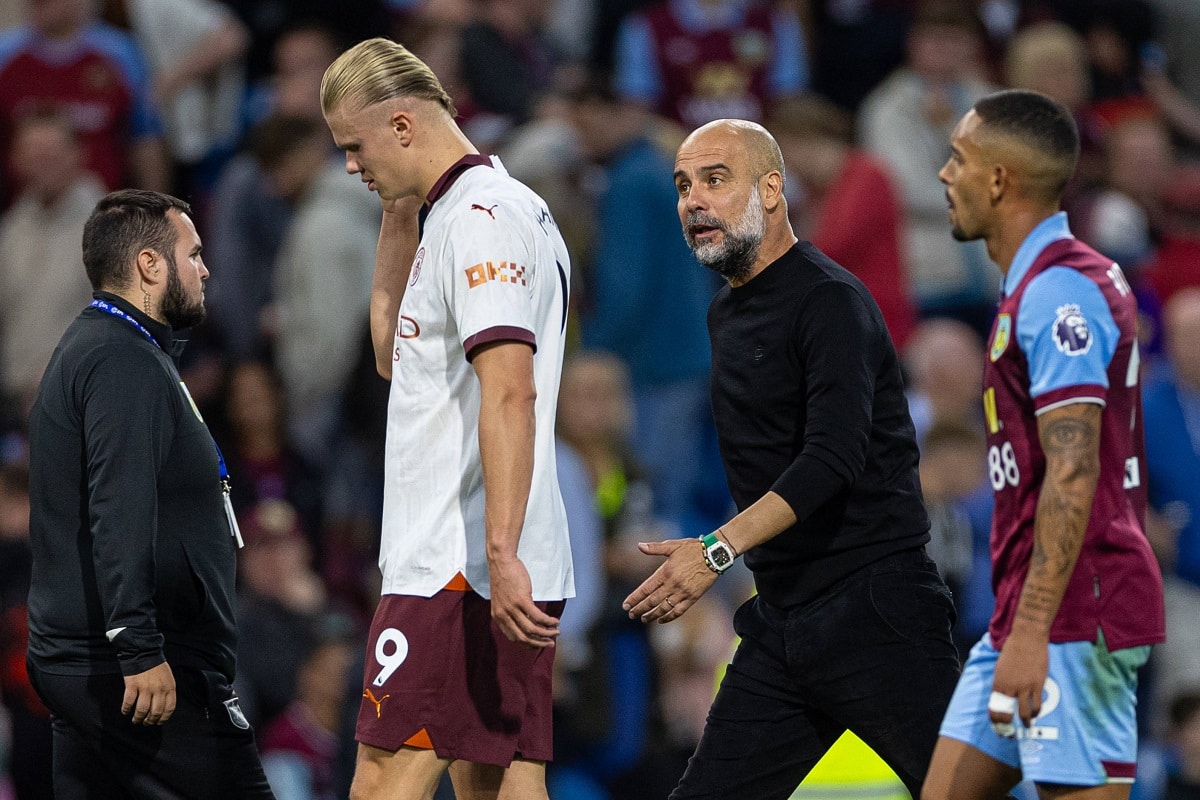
{"x": 191, "y": 402}
{"x": 416, "y": 267}
{"x": 1071, "y": 333}
{"x": 1001, "y": 336}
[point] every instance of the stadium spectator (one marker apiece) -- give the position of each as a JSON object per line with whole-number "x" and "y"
{"x": 263, "y": 464}
{"x": 1172, "y": 411}
{"x": 584, "y": 525}
{"x": 959, "y": 500}
{"x": 1174, "y": 80}
{"x": 1124, "y": 215}
{"x": 642, "y": 278}
{"x": 851, "y": 206}
{"x": 1175, "y": 263}
{"x": 41, "y": 270}
{"x": 508, "y": 65}
{"x": 1116, "y": 33}
{"x": 270, "y": 20}
{"x": 94, "y": 74}
{"x": 1183, "y": 777}
{"x": 694, "y": 61}
{"x": 194, "y": 49}
{"x": 318, "y": 312}
{"x": 607, "y": 729}
{"x": 905, "y": 122}
{"x": 29, "y": 757}
{"x": 856, "y": 45}
{"x": 1050, "y": 57}
{"x": 280, "y": 597}
{"x": 300, "y": 746}
{"x": 942, "y": 361}
{"x": 248, "y": 216}
{"x": 248, "y": 221}
{"x": 299, "y": 60}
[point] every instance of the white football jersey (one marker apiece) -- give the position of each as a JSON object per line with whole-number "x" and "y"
{"x": 491, "y": 265}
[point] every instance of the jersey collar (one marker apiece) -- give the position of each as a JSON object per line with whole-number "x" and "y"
{"x": 1048, "y": 231}
{"x": 451, "y": 175}
{"x": 163, "y": 334}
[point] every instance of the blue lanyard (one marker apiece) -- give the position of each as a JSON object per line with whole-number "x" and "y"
{"x": 109, "y": 308}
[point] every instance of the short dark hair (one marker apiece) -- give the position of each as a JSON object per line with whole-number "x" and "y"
{"x": 123, "y": 223}
{"x": 1038, "y": 121}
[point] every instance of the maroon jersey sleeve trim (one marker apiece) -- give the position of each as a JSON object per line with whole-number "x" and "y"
{"x": 1085, "y": 393}
{"x": 499, "y": 333}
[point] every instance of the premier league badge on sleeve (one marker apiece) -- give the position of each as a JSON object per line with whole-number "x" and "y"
{"x": 1071, "y": 334}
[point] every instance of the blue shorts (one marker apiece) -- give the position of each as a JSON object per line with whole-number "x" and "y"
{"x": 1086, "y": 733}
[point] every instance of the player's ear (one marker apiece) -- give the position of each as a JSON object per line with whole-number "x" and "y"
{"x": 401, "y": 124}
{"x": 999, "y": 183}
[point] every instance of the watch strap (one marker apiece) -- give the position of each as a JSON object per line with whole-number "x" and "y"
{"x": 710, "y": 541}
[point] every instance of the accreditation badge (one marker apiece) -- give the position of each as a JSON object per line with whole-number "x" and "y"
{"x": 1000, "y": 336}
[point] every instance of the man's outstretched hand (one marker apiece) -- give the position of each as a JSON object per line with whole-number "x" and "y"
{"x": 675, "y": 586}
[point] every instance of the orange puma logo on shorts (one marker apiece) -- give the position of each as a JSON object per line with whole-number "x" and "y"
{"x": 378, "y": 703}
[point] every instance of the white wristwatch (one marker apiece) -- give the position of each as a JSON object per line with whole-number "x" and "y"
{"x": 718, "y": 556}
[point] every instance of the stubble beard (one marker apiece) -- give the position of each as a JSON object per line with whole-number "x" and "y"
{"x": 733, "y": 258}
{"x": 177, "y": 308}
{"x": 960, "y": 233}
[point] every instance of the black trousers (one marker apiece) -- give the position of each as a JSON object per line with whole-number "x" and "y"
{"x": 872, "y": 655}
{"x": 205, "y": 751}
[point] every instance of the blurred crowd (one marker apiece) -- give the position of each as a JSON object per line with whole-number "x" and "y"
{"x": 216, "y": 101}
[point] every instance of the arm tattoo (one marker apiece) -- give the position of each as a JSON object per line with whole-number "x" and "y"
{"x": 1070, "y": 439}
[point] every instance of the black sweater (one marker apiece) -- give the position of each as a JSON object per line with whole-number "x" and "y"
{"x": 129, "y": 534}
{"x": 809, "y": 403}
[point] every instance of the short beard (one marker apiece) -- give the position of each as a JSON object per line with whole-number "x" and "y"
{"x": 177, "y": 309}
{"x": 732, "y": 259}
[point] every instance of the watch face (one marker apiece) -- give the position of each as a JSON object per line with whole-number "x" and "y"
{"x": 720, "y": 557}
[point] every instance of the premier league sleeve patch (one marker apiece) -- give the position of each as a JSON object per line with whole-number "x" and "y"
{"x": 1071, "y": 334}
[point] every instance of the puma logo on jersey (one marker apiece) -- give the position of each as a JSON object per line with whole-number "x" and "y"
{"x": 368, "y": 694}
{"x": 484, "y": 209}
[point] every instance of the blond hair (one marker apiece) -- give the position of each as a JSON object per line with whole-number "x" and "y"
{"x": 376, "y": 70}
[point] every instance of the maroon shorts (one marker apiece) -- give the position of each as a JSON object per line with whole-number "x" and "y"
{"x": 442, "y": 676}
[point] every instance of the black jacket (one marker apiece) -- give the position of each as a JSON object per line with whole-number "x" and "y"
{"x": 133, "y": 557}
{"x": 809, "y": 403}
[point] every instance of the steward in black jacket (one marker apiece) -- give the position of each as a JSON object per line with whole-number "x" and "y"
{"x": 132, "y": 632}
{"x": 133, "y": 554}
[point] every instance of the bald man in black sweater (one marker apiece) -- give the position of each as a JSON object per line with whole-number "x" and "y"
{"x": 850, "y": 628}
